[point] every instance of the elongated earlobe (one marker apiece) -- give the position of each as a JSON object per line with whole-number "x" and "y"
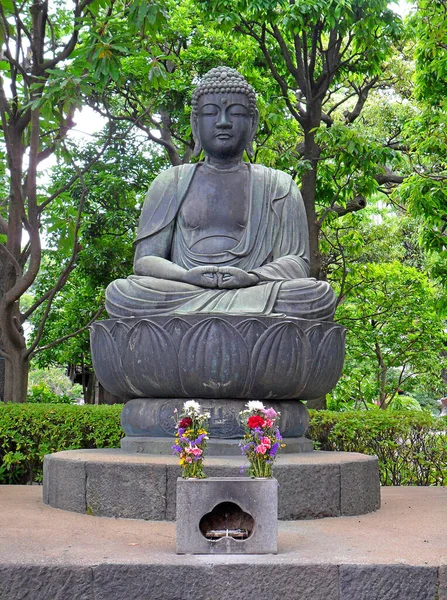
{"x": 254, "y": 127}
{"x": 197, "y": 145}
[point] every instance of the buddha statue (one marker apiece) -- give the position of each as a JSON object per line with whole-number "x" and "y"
{"x": 222, "y": 235}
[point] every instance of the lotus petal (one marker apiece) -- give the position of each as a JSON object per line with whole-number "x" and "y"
{"x": 213, "y": 360}
{"x": 251, "y": 330}
{"x": 177, "y": 328}
{"x": 150, "y": 360}
{"x": 327, "y": 363}
{"x": 106, "y": 358}
{"x": 281, "y": 362}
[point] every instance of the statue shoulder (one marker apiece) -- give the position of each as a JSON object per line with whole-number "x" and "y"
{"x": 163, "y": 199}
{"x": 281, "y": 183}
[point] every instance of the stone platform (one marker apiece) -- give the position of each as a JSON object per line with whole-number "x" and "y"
{"x": 396, "y": 553}
{"x": 113, "y": 483}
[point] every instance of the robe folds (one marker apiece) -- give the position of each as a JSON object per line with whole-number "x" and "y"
{"x": 274, "y": 246}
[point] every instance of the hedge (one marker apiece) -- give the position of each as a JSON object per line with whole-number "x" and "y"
{"x": 29, "y": 431}
{"x": 411, "y": 446}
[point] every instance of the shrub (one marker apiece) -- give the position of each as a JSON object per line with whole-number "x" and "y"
{"x": 29, "y": 431}
{"x": 411, "y": 445}
{"x": 52, "y": 386}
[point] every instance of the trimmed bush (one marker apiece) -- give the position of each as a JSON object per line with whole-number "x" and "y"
{"x": 29, "y": 431}
{"x": 411, "y": 445}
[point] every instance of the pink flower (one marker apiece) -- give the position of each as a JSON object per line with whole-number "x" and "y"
{"x": 188, "y": 459}
{"x": 270, "y": 413}
{"x": 269, "y": 423}
{"x": 195, "y": 451}
{"x": 261, "y": 449}
{"x": 266, "y": 442}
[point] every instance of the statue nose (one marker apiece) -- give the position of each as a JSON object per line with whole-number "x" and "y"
{"x": 223, "y": 122}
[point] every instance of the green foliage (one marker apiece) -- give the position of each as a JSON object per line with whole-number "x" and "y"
{"x": 425, "y": 192}
{"x": 29, "y": 431}
{"x": 52, "y": 386}
{"x": 396, "y": 334}
{"x": 411, "y": 446}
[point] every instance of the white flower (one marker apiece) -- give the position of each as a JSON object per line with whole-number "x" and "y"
{"x": 255, "y": 405}
{"x": 192, "y": 407}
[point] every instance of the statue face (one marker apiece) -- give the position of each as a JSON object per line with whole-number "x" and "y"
{"x": 224, "y": 124}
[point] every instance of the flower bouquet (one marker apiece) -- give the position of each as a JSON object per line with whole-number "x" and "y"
{"x": 262, "y": 438}
{"x": 190, "y": 438}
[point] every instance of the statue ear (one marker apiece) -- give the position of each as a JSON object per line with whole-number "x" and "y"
{"x": 197, "y": 145}
{"x": 254, "y": 128}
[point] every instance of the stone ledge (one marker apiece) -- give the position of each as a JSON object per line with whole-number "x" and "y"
{"x": 397, "y": 553}
{"x": 113, "y": 483}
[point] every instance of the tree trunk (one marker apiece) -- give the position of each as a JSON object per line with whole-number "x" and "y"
{"x": 308, "y": 190}
{"x": 16, "y": 373}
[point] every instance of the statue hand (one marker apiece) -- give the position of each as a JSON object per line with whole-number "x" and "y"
{"x": 233, "y": 278}
{"x": 205, "y": 277}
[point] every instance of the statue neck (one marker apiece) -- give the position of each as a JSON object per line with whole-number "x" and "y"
{"x": 224, "y": 163}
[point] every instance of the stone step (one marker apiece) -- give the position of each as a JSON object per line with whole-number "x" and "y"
{"x": 114, "y": 483}
{"x": 396, "y": 553}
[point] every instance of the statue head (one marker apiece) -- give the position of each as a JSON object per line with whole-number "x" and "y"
{"x": 224, "y": 116}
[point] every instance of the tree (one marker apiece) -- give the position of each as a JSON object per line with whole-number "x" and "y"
{"x": 326, "y": 58}
{"x": 396, "y": 335}
{"x": 38, "y": 98}
{"x": 425, "y": 192}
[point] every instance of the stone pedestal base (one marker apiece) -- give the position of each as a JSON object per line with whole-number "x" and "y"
{"x": 242, "y": 510}
{"x": 163, "y": 446}
{"x": 153, "y": 417}
{"x": 113, "y": 483}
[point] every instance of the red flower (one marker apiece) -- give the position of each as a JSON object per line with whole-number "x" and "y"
{"x": 185, "y": 422}
{"x": 255, "y": 421}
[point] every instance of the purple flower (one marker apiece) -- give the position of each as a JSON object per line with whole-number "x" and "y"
{"x": 181, "y": 431}
{"x": 176, "y": 448}
{"x": 278, "y": 434}
{"x": 199, "y": 440}
{"x": 184, "y": 440}
{"x": 274, "y": 449}
{"x": 241, "y": 470}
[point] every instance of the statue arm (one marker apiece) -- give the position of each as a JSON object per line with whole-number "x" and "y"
{"x": 151, "y": 256}
{"x": 290, "y": 256}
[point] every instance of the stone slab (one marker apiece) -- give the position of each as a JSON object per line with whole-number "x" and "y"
{"x": 48, "y": 554}
{"x": 64, "y": 487}
{"x": 256, "y": 499}
{"x": 215, "y": 447}
{"x": 130, "y": 485}
{"x": 387, "y": 582}
{"x": 360, "y": 487}
{"x": 38, "y": 582}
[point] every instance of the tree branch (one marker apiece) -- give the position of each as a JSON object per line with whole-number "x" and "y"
{"x": 68, "y": 336}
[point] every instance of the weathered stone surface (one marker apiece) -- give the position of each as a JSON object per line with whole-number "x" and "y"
{"x": 250, "y": 504}
{"x": 136, "y": 358}
{"x": 387, "y": 582}
{"x": 360, "y": 486}
{"x": 131, "y": 491}
{"x": 64, "y": 483}
{"x": 215, "y": 447}
{"x": 111, "y": 482}
{"x": 442, "y": 583}
{"x": 33, "y": 582}
{"x": 152, "y": 417}
{"x": 310, "y": 492}
{"x": 216, "y": 581}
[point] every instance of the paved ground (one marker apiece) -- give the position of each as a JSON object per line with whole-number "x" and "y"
{"x": 410, "y": 530}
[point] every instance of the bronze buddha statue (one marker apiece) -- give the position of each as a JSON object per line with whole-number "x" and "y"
{"x": 222, "y": 235}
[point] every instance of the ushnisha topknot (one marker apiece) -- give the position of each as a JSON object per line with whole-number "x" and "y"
{"x": 224, "y": 80}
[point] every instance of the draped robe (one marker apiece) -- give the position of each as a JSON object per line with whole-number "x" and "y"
{"x": 274, "y": 246}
